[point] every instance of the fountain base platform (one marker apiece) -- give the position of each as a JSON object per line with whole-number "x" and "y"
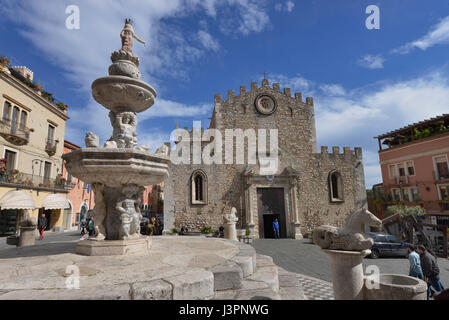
{"x": 114, "y": 247}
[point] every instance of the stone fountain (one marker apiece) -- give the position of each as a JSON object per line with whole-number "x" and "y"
{"x": 120, "y": 169}
{"x": 346, "y": 248}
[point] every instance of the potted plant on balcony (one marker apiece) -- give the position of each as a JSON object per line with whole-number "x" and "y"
{"x": 3, "y": 169}
{"x": 60, "y": 181}
{"x": 4, "y": 61}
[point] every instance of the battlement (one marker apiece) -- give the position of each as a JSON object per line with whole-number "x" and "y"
{"x": 357, "y": 152}
{"x": 265, "y": 84}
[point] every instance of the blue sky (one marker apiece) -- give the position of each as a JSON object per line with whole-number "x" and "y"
{"x": 364, "y": 82}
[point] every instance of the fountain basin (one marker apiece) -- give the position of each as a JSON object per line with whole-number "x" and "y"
{"x": 118, "y": 93}
{"x": 117, "y": 167}
{"x": 396, "y": 287}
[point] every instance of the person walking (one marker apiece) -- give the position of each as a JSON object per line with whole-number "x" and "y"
{"x": 276, "y": 228}
{"x": 42, "y": 225}
{"x": 430, "y": 270}
{"x": 415, "y": 263}
{"x": 91, "y": 227}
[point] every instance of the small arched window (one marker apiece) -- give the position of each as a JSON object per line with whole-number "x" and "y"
{"x": 335, "y": 186}
{"x": 198, "y": 182}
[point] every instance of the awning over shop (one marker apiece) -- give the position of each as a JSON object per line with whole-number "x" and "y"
{"x": 55, "y": 201}
{"x": 17, "y": 199}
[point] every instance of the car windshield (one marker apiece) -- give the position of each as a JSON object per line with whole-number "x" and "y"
{"x": 393, "y": 239}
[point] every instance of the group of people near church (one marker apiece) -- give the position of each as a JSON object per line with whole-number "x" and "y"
{"x": 423, "y": 265}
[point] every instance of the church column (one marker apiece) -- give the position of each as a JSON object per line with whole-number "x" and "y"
{"x": 248, "y": 209}
{"x": 294, "y": 205}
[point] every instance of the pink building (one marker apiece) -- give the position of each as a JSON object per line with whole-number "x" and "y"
{"x": 415, "y": 167}
{"x": 81, "y": 196}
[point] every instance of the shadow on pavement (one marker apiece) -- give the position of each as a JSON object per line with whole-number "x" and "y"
{"x": 52, "y": 248}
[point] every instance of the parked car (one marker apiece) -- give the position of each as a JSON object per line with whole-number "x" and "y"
{"x": 387, "y": 245}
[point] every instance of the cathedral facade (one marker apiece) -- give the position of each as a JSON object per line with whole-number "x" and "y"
{"x": 307, "y": 189}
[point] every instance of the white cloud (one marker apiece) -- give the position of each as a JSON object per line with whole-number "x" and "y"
{"x": 287, "y": 6}
{"x": 353, "y": 117}
{"x": 372, "y": 61}
{"x": 207, "y": 41}
{"x": 439, "y": 34}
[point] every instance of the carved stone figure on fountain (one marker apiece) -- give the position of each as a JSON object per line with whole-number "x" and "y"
{"x": 127, "y": 36}
{"x": 130, "y": 218}
{"x": 91, "y": 140}
{"x": 99, "y": 211}
{"x": 124, "y": 129}
{"x": 351, "y": 237}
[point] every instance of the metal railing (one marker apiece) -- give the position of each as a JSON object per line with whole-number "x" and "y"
{"x": 19, "y": 131}
{"x": 50, "y": 146}
{"x": 29, "y": 180}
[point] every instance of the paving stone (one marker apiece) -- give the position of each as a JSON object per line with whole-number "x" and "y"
{"x": 268, "y": 275}
{"x": 227, "y": 276}
{"x": 152, "y": 290}
{"x": 246, "y": 263}
{"x": 193, "y": 285}
{"x": 114, "y": 292}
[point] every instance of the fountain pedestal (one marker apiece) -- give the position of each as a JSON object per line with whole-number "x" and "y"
{"x": 347, "y": 273}
{"x": 139, "y": 246}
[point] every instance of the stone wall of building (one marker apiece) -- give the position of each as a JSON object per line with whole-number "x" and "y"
{"x": 295, "y": 121}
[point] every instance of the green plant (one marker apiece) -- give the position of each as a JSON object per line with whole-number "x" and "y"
{"x": 443, "y": 128}
{"x": 421, "y": 134}
{"x": 247, "y": 232}
{"x": 4, "y": 60}
{"x": 405, "y": 211}
{"x": 206, "y": 230}
{"x": 62, "y": 105}
{"x": 174, "y": 231}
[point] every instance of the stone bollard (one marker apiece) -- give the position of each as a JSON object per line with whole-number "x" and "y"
{"x": 27, "y": 236}
{"x": 347, "y": 273}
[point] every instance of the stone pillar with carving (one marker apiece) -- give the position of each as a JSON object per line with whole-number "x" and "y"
{"x": 230, "y": 219}
{"x": 247, "y": 174}
{"x": 294, "y": 204}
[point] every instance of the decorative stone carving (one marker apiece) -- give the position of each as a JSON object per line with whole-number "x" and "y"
{"x": 230, "y": 219}
{"x": 127, "y": 36}
{"x": 92, "y": 140}
{"x": 265, "y": 104}
{"x": 165, "y": 150}
{"x": 143, "y": 148}
{"x": 99, "y": 211}
{"x": 129, "y": 216}
{"x": 351, "y": 236}
{"x": 124, "y": 129}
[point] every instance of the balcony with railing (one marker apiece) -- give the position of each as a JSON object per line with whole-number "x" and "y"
{"x": 14, "y": 132}
{"x": 19, "y": 179}
{"x": 50, "y": 146}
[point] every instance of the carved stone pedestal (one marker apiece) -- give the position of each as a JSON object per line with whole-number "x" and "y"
{"x": 114, "y": 247}
{"x": 230, "y": 232}
{"x": 347, "y": 273}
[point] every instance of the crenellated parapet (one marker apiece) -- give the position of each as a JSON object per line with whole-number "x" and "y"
{"x": 357, "y": 152}
{"x": 265, "y": 84}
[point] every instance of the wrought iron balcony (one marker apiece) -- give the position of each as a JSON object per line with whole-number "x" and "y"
{"x": 14, "y": 133}
{"x": 27, "y": 180}
{"x": 50, "y": 147}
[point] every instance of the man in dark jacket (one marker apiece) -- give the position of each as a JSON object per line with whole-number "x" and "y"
{"x": 430, "y": 270}
{"x": 42, "y": 225}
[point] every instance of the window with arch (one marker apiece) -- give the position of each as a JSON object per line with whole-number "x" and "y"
{"x": 198, "y": 183}
{"x": 335, "y": 186}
